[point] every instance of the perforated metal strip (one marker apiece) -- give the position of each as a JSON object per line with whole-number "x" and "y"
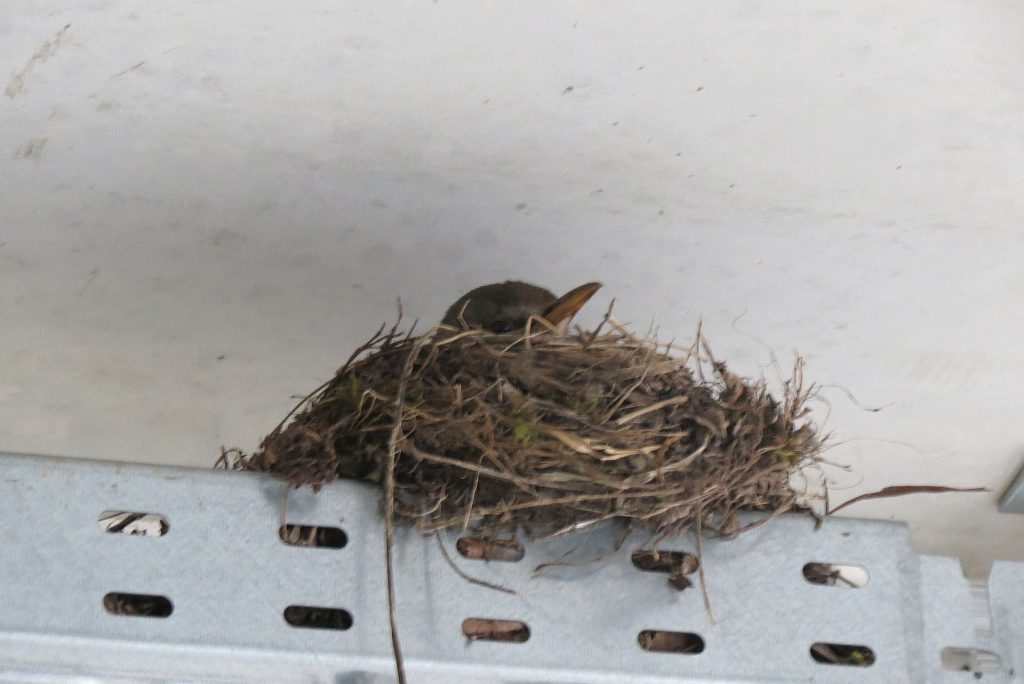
{"x": 229, "y": 578}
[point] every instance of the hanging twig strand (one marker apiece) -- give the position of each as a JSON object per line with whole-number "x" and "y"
{"x": 394, "y": 442}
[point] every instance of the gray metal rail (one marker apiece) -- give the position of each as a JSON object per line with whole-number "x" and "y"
{"x": 66, "y": 580}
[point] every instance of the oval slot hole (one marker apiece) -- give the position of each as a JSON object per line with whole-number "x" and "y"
{"x": 836, "y": 575}
{"x": 484, "y": 629}
{"x": 129, "y": 522}
{"x": 313, "y": 536}
{"x": 971, "y": 660}
{"x": 144, "y": 605}
{"x": 661, "y": 641}
{"x": 316, "y": 617}
{"x": 676, "y": 564}
{"x": 506, "y": 551}
{"x": 671, "y": 562}
{"x": 843, "y": 654}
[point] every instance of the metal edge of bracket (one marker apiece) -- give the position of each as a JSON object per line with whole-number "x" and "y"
{"x": 913, "y": 606}
{"x": 1012, "y": 500}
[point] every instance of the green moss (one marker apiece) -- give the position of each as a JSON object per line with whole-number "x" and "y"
{"x": 355, "y": 389}
{"x": 525, "y": 431}
{"x": 790, "y": 456}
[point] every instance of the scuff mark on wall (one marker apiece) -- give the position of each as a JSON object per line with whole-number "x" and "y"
{"x": 33, "y": 149}
{"x": 129, "y": 69}
{"x": 16, "y": 86}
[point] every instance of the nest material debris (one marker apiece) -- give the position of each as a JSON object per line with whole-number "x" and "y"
{"x": 550, "y": 432}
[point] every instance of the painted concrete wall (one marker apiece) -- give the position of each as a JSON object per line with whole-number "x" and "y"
{"x": 207, "y": 205}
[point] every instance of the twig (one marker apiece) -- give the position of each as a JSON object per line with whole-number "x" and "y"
{"x": 656, "y": 406}
{"x": 588, "y": 339}
{"x": 574, "y": 499}
{"x": 853, "y": 400}
{"x": 700, "y": 566}
{"x": 472, "y": 495}
{"x": 903, "y": 490}
{"x": 471, "y": 580}
{"x": 389, "y": 504}
{"x": 560, "y": 561}
{"x": 696, "y": 350}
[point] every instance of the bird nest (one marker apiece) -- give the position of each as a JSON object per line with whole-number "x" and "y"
{"x": 549, "y": 432}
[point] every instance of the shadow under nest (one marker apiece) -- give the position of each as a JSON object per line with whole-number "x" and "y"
{"x": 549, "y": 432}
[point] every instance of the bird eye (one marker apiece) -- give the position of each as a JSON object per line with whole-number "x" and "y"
{"x": 501, "y": 326}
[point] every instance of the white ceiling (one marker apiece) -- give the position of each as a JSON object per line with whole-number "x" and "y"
{"x": 207, "y": 205}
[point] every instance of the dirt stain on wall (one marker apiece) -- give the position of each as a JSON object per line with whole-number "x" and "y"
{"x": 16, "y": 86}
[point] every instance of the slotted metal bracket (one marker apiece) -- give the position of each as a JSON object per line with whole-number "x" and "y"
{"x": 229, "y": 577}
{"x": 1013, "y": 498}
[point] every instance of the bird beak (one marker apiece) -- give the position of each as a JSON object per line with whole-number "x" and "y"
{"x": 566, "y": 306}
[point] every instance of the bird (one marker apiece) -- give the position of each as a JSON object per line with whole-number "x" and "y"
{"x": 506, "y": 307}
